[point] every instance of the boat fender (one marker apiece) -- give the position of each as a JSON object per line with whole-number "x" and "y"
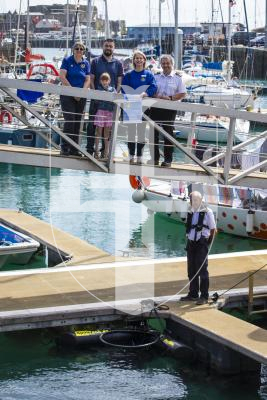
{"x": 138, "y": 182}
{"x": 250, "y": 221}
{"x": 183, "y": 215}
{"x": 5, "y": 117}
{"x": 81, "y": 338}
{"x": 138, "y": 195}
{"x": 176, "y": 348}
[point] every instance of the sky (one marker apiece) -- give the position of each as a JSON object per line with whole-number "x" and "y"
{"x": 136, "y": 11}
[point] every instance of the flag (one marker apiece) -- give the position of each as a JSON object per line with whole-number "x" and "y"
{"x": 232, "y": 3}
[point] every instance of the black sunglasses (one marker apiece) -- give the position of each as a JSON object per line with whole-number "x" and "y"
{"x": 79, "y": 48}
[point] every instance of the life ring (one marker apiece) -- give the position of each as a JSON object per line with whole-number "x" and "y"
{"x": 6, "y": 116}
{"x": 138, "y": 182}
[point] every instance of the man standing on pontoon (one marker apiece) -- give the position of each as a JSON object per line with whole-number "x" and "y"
{"x": 200, "y": 230}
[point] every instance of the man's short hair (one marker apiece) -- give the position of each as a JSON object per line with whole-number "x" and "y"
{"x": 168, "y": 57}
{"x": 109, "y": 40}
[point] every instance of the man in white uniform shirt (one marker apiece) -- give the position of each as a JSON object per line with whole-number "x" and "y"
{"x": 200, "y": 230}
{"x": 170, "y": 87}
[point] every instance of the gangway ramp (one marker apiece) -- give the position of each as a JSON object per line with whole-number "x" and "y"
{"x": 48, "y": 158}
{"x": 193, "y": 170}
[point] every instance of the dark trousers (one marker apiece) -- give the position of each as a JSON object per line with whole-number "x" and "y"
{"x": 72, "y": 113}
{"x": 197, "y": 256}
{"x": 91, "y": 127}
{"x": 164, "y": 118}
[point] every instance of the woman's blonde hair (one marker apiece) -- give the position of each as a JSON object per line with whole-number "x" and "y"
{"x": 139, "y": 53}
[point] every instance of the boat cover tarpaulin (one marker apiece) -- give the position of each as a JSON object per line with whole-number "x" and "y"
{"x": 29, "y": 95}
{"x": 213, "y": 65}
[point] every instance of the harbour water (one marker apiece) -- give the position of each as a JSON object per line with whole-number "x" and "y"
{"x": 98, "y": 208}
{"x": 83, "y": 204}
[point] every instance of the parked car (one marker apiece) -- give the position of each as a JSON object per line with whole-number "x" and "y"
{"x": 243, "y": 37}
{"x": 258, "y": 41}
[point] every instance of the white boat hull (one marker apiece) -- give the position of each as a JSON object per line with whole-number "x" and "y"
{"x": 221, "y": 96}
{"x": 210, "y": 130}
{"x": 230, "y": 220}
{"x": 15, "y": 247}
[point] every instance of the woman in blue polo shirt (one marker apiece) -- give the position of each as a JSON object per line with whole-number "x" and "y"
{"x": 144, "y": 85}
{"x": 75, "y": 72}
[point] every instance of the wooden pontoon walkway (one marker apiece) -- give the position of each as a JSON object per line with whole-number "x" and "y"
{"x": 99, "y": 292}
{"x": 68, "y": 247}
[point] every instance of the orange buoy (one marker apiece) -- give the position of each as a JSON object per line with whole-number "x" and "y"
{"x": 137, "y": 182}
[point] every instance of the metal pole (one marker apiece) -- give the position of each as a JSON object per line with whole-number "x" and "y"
{"x": 107, "y": 30}
{"x": 246, "y": 18}
{"x": 89, "y": 28}
{"x": 250, "y": 291}
{"x": 255, "y": 14}
{"x": 229, "y": 146}
{"x": 160, "y": 26}
{"x": 17, "y": 37}
{"x": 229, "y": 40}
{"x": 149, "y": 20}
{"x": 212, "y": 30}
{"x": 176, "y": 52}
{"x": 28, "y": 23}
{"x": 68, "y": 27}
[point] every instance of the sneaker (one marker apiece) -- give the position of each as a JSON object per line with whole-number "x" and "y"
{"x": 132, "y": 160}
{"x": 139, "y": 161}
{"x": 188, "y": 298}
{"x": 166, "y": 164}
{"x": 201, "y": 301}
{"x": 152, "y": 162}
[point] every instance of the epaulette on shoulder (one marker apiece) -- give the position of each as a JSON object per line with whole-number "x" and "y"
{"x": 178, "y": 73}
{"x": 157, "y": 73}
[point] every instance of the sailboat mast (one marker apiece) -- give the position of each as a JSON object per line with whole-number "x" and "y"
{"x": 160, "y": 26}
{"x": 17, "y": 36}
{"x": 68, "y": 27}
{"x": 27, "y": 23}
{"x": 212, "y": 31}
{"x": 89, "y": 28}
{"x": 229, "y": 40}
{"x": 176, "y": 44}
{"x": 107, "y": 30}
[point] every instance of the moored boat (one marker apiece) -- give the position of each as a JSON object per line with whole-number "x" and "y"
{"x": 210, "y": 128}
{"x": 15, "y": 247}
{"x": 238, "y": 211}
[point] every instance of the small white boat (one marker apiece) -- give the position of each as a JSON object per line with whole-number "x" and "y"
{"x": 15, "y": 247}
{"x": 209, "y": 128}
{"x": 238, "y": 211}
{"x": 220, "y": 95}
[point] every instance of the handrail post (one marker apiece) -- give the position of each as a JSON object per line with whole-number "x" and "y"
{"x": 114, "y": 134}
{"x": 250, "y": 291}
{"x": 191, "y": 135}
{"x": 228, "y": 155}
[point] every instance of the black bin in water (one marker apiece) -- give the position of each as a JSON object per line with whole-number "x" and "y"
{"x": 130, "y": 339}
